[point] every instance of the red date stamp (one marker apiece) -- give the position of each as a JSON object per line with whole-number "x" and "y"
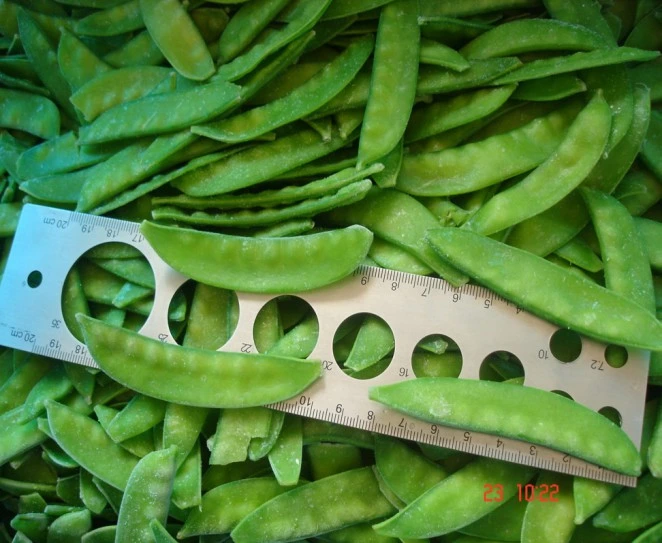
{"x": 528, "y": 492}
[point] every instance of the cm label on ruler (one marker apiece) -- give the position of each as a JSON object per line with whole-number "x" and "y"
{"x": 480, "y": 325}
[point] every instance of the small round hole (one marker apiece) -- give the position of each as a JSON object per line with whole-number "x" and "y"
{"x": 501, "y": 366}
{"x": 436, "y": 355}
{"x": 286, "y": 325}
{"x": 566, "y": 345}
{"x": 612, "y": 414}
{"x": 616, "y": 356}
{"x": 34, "y": 279}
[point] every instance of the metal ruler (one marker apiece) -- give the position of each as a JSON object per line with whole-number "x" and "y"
{"x": 48, "y": 242}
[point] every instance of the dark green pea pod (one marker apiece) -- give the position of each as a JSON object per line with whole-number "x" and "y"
{"x": 250, "y": 379}
{"x": 298, "y": 259}
{"x": 437, "y": 80}
{"x": 586, "y": 14}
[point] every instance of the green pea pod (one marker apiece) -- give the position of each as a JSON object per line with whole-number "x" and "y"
{"x": 586, "y": 14}
{"x": 29, "y": 112}
{"x": 393, "y": 83}
{"x": 138, "y": 51}
{"x": 171, "y": 27}
{"x": 357, "y": 499}
{"x": 504, "y": 523}
{"x": 234, "y": 432}
{"x": 436, "y": 53}
{"x": 460, "y": 496}
{"x": 453, "y": 402}
{"x": 187, "y": 486}
{"x": 78, "y": 63}
{"x": 105, "y": 534}
{"x": 138, "y": 416}
{"x": 568, "y": 166}
{"x": 147, "y": 496}
{"x": 554, "y": 524}
{"x": 554, "y": 87}
{"x": 70, "y": 527}
{"x": 254, "y": 260}
{"x": 285, "y": 457}
{"x": 112, "y": 21}
{"x": 437, "y": 80}
{"x": 250, "y": 379}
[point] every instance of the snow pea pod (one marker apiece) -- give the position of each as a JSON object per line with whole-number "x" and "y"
{"x": 155, "y": 114}
{"x": 31, "y": 113}
{"x": 112, "y": 21}
{"x": 577, "y": 61}
{"x": 302, "y": 101}
{"x": 285, "y": 457}
{"x": 526, "y": 279}
{"x": 650, "y": 232}
{"x": 249, "y": 379}
{"x": 78, "y": 63}
{"x": 302, "y": 19}
{"x": 568, "y": 166}
{"x": 139, "y": 415}
{"x": 357, "y": 498}
{"x": 437, "y": 80}
{"x": 459, "y": 496}
{"x": 553, "y": 524}
{"x": 554, "y": 87}
{"x": 176, "y": 35}
{"x": 454, "y": 402}
{"x": 393, "y": 82}
{"x": 586, "y": 14}
{"x": 432, "y": 52}
{"x": 250, "y": 264}
{"x": 138, "y": 51}
{"x": 449, "y": 8}
{"x": 70, "y": 526}
{"x": 234, "y": 432}
{"x": 527, "y": 35}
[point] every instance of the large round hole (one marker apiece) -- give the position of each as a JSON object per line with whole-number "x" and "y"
{"x": 566, "y": 345}
{"x": 286, "y": 326}
{"x": 436, "y": 355}
{"x": 501, "y": 366}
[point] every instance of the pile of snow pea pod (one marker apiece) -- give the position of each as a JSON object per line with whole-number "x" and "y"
{"x": 513, "y": 143}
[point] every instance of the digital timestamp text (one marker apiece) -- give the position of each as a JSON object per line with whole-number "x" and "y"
{"x": 528, "y": 492}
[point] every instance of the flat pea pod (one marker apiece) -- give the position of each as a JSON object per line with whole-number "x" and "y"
{"x": 586, "y": 14}
{"x": 581, "y": 304}
{"x": 554, "y": 524}
{"x": 393, "y": 82}
{"x": 139, "y": 415}
{"x": 459, "y": 496}
{"x": 567, "y": 166}
{"x": 527, "y": 35}
{"x": 261, "y": 265}
{"x": 147, "y": 496}
{"x": 651, "y": 234}
{"x": 554, "y": 87}
{"x": 651, "y": 535}
{"x": 454, "y": 402}
{"x": 302, "y": 19}
{"x": 250, "y": 379}
{"x": 138, "y": 51}
{"x": 43, "y": 120}
{"x": 78, "y": 63}
{"x": 97, "y": 453}
{"x": 438, "y": 80}
{"x": 302, "y": 101}
{"x": 9, "y": 215}
{"x": 124, "y": 17}
{"x": 70, "y": 527}
{"x": 176, "y": 35}
{"x": 344, "y": 8}
{"x": 155, "y": 114}
{"x": 633, "y": 508}
{"x": 357, "y": 498}
{"x": 285, "y": 457}
{"x": 450, "y": 8}
{"x": 432, "y": 52}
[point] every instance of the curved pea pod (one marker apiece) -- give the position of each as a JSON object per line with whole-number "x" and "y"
{"x": 177, "y": 37}
{"x": 31, "y": 113}
{"x": 78, "y": 63}
{"x": 147, "y": 496}
{"x": 633, "y": 508}
{"x": 261, "y": 264}
{"x": 548, "y": 290}
{"x": 112, "y": 21}
{"x": 472, "y": 404}
{"x": 70, "y": 526}
{"x": 249, "y": 379}
{"x": 356, "y": 498}
{"x": 393, "y": 83}
{"x": 459, "y": 497}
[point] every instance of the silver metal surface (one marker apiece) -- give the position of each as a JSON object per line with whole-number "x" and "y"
{"x": 49, "y": 241}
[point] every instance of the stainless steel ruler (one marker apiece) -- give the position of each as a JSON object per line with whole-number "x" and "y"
{"x": 49, "y": 241}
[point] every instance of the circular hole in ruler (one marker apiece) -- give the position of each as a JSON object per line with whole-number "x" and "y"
{"x": 501, "y": 366}
{"x": 436, "y": 355}
{"x": 202, "y": 316}
{"x": 113, "y": 282}
{"x": 35, "y": 278}
{"x": 562, "y": 393}
{"x": 616, "y": 355}
{"x": 566, "y": 345}
{"x": 612, "y": 414}
{"x": 287, "y": 326}
{"x": 363, "y": 346}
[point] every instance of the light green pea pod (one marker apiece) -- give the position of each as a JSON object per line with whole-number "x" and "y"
{"x": 14, "y": 105}
{"x": 223, "y": 507}
{"x": 579, "y": 253}
{"x": 139, "y": 415}
{"x": 187, "y": 485}
{"x": 212, "y": 318}
{"x": 113, "y": 465}
{"x": 267, "y": 328}
{"x": 348, "y": 121}
{"x": 633, "y": 508}
{"x": 77, "y": 62}
{"x": 160, "y": 113}
{"x": 140, "y": 445}
{"x": 639, "y": 191}
{"x": 159, "y": 532}
{"x": 171, "y": 26}
{"x": 235, "y": 429}
{"x": 129, "y": 294}
{"x": 54, "y": 385}
{"x": 118, "y": 19}
{"x": 299, "y": 341}
{"x": 460, "y": 496}
{"x": 360, "y": 533}
{"x": 443, "y": 115}
{"x": 181, "y": 427}
{"x": 26, "y": 375}
{"x": 326, "y": 459}
{"x": 388, "y": 255}
{"x": 33, "y": 526}
{"x": 432, "y": 52}
{"x": 591, "y": 496}
{"x": 550, "y": 521}
{"x": 114, "y": 87}
{"x": 285, "y": 457}
{"x": 569, "y": 165}
{"x": 437, "y": 80}
{"x": 105, "y": 534}
{"x": 147, "y": 496}
{"x": 650, "y": 232}
{"x": 554, "y": 87}
{"x": 373, "y": 342}
{"x": 245, "y": 25}
{"x": 9, "y": 215}
{"x": 302, "y": 19}
{"x": 393, "y": 83}
{"x": 654, "y": 455}
{"x": 90, "y": 495}
{"x": 70, "y": 527}
{"x": 261, "y": 446}
{"x": 407, "y": 484}
{"x": 139, "y": 51}
{"x": 136, "y": 270}
{"x": 358, "y": 499}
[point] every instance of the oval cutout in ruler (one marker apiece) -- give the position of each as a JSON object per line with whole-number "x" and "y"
{"x": 48, "y": 242}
